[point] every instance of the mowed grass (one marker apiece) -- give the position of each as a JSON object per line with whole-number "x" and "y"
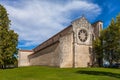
{"x": 50, "y": 73}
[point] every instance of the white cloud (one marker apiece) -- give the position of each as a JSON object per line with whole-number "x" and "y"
{"x": 35, "y": 21}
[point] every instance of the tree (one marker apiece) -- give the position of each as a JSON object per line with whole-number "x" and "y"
{"x": 98, "y": 50}
{"x": 109, "y": 42}
{"x": 8, "y": 39}
{"x": 112, "y": 42}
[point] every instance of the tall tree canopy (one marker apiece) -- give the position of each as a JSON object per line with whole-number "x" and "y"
{"x": 8, "y": 40}
{"x": 109, "y": 42}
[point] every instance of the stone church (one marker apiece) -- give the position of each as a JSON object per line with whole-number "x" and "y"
{"x": 71, "y": 47}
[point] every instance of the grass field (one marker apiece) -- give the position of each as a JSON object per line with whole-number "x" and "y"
{"x": 50, "y": 73}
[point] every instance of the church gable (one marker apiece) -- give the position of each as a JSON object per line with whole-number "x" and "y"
{"x": 81, "y": 22}
{"x": 82, "y": 31}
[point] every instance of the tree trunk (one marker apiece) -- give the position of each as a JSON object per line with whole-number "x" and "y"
{"x": 111, "y": 63}
{"x": 100, "y": 62}
{"x": 110, "y": 59}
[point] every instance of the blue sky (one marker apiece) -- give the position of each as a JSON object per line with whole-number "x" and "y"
{"x": 37, "y": 20}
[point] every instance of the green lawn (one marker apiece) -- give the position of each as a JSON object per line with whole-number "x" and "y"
{"x": 50, "y": 73}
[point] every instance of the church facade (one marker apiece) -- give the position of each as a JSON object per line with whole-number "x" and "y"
{"x": 72, "y": 47}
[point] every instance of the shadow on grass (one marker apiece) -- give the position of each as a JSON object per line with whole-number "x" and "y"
{"x": 99, "y": 73}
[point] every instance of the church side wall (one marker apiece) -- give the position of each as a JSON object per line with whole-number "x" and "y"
{"x": 66, "y": 47}
{"x": 48, "y": 56}
{"x": 58, "y": 54}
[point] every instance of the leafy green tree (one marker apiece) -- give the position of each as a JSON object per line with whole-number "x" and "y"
{"x": 112, "y": 42}
{"x": 108, "y": 44}
{"x": 117, "y": 54}
{"x": 8, "y": 40}
{"x": 98, "y": 51}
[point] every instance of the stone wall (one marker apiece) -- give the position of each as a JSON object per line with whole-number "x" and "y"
{"x": 58, "y": 54}
{"x": 23, "y": 57}
{"x": 48, "y": 56}
{"x": 82, "y": 52}
{"x": 66, "y": 48}
{"x": 97, "y": 27}
{"x": 82, "y": 56}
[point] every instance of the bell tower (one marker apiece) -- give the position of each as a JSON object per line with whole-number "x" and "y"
{"x": 97, "y": 27}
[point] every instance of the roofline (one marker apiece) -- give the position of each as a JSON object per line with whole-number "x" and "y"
{"x": 43, "y": 48}
{"x": 80, "y": 18}
{"x": 59, "y": 33}
{"x": 26, "y": 50}
{"x": 97, "y": 22}
{"x": 53, "y": 36}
